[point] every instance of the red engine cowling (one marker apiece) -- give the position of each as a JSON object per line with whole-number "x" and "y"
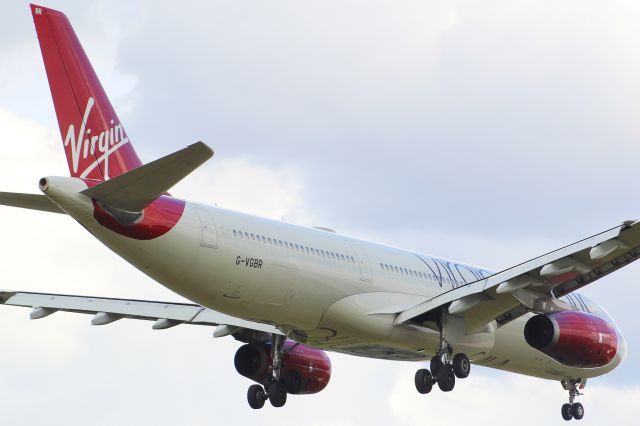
{"x": 305, "y": 370}
{"x": 576, "y": 339}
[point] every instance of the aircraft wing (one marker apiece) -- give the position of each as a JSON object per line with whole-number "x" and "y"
{"x": 107, "y": 310}
{"x": 536, "y": 284}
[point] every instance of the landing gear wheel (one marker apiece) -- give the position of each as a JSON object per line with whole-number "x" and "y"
{"x": 577, "y": 410}
{"x": 435, "y": 365}
{"x": 567, "y": 412}
{"x": 424, "y": 381}
{"x": 256, "y": 397}
{"x": 446, "y": 378}
{"x": 277, "y": 394}
{"x": 461, "y": 366}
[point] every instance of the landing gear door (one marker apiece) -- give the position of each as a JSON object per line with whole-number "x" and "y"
{"x": 209, "y": 231}
{"x": 363, "y": 263}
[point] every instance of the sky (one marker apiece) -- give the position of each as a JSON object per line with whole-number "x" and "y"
{"x": 485, "y": 132}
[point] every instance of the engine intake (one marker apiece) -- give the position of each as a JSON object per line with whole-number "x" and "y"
{"x": 575, "y": 339}
{"x": 305, "y": 370}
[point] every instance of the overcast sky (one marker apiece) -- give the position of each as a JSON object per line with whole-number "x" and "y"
{"x": 488, "y": 132}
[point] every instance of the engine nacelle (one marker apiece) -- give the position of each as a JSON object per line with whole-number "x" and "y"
{"x": 305, "y": 370}
{"x": 575, "y": 339}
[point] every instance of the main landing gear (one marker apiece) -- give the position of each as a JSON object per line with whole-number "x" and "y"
{"x": 444, "y": 368}
{"x": 573, "y": 410}
{"x": 274, "y": 389}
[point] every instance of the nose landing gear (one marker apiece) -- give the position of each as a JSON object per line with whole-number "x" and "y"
{"x": 573, "y": 410}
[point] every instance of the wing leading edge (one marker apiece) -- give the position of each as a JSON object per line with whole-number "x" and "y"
{"x": 107, "y": 310}
{"x": 536, "y": 285}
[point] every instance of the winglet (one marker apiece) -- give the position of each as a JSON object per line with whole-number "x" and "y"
{"x": 137, "y": 188}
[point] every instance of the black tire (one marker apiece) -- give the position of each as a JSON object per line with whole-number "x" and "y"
{"x": 567, "y": 412}
{"x": 578, "y": 411}
{"x": 424, "y": 381}
{"x": 277, "y": 394}
{"x": 435, "y": 365}
{"x": 461, "y": 366}
{"x": 446, "y": 378}
{"x": 256, "y": 397}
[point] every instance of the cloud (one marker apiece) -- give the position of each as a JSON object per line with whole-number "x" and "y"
{"x": 450, "y": 101}
{"x": 487, "y": 133}
{"x": 242, "y": 185}
{"x": 502, "y": 398}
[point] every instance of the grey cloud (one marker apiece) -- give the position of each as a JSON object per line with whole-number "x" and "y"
{"x": 442, "y": 118}
{"x": 489, "y": 133}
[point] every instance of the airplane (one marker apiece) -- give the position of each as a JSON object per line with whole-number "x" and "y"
{"x": 290, "y": 294}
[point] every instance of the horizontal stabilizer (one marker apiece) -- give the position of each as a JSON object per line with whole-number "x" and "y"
{"x": 29, "y": 201}
{"x": 134, "y": 190}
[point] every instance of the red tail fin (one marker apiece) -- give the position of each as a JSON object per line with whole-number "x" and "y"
{"x": 96, "y": 145}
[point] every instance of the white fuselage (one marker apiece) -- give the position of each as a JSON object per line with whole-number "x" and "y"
{"x": 329, "y": 291}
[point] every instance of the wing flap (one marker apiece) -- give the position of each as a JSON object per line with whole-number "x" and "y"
{"x": 172, "y": 313}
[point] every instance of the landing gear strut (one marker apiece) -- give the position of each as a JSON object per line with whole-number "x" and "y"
{"x": 274, "y": 389}
{"x": 573, "y": 410}
{"x": 444, "y": 368}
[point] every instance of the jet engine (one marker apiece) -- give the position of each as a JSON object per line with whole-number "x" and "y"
{"x": 305, "y": 370}
{"x": 575, "y": 339}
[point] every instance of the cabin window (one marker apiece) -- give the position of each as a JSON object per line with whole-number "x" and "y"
{"x": 235, "y": 233}
{"x": 280, "y": 242}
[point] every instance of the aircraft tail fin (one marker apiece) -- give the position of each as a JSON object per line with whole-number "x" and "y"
{"x": 96, "y": 145}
